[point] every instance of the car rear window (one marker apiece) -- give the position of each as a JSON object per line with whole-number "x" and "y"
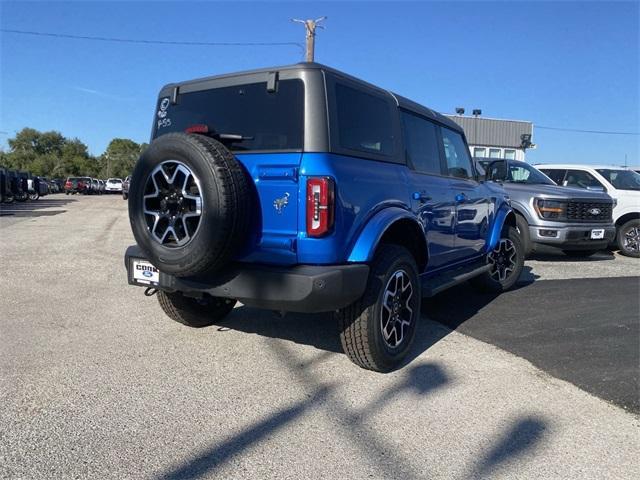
{"x": 268, "y": 121}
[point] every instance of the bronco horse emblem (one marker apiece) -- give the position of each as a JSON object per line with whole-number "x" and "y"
{"x": 280, "y": 203}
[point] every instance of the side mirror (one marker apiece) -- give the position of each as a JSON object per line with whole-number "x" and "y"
{"x": 496, "y": 171}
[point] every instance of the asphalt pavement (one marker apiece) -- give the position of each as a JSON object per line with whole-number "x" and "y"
{"x": 98, "y": 383}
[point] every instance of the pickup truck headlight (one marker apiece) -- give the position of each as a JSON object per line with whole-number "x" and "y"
{"x": 551, "y": 209}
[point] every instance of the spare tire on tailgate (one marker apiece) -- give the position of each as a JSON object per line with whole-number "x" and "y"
{"x": 188, "y": 204}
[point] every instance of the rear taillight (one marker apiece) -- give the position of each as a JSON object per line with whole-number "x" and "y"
{"x": 68, "y": 185}
{"x": 320, "y": 206}
{"x": 197, "y": 129}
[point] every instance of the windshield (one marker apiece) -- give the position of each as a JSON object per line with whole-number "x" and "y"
{"x": 518, "y": 172}
{"x": 621, "y": 179}
{"x": 262, "y": 120}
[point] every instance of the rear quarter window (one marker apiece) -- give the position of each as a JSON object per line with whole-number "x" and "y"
{"x": 269, "y": 121}
{"x": 364, "y": 121}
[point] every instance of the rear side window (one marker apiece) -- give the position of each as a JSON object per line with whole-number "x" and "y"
{"x": 557, "y": 175}
{"x": 457, "y": 155}
{"x": 421, "y": 144}
{"x": 266, "y": 120}
{"x": 364, "y": 121}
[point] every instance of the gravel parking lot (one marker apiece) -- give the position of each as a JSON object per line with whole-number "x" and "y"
{"x": 97, "y": 383}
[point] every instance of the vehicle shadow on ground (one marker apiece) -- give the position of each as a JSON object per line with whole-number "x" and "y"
{"x": 34, "y": 208}
{"x": 321, "y": 330}
{"x": 550, "y": 254}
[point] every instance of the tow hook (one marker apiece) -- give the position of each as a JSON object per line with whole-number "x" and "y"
{"x": 150, "y": 291}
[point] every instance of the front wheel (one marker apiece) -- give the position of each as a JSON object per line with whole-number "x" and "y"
{"x": 628, "y": 238}
{"x": 194, "y": 312}
{"x": 34, "y": 196}
{"x": 505, "y": 264}
{"x": 377, "y": 331}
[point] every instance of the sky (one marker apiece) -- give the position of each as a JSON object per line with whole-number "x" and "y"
{"x": 558, "y": 64}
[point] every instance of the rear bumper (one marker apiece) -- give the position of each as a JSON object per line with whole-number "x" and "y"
{"x": 302, "y": 288}
{"x": 572, "y": 237}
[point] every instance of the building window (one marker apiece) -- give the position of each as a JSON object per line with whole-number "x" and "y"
{"x": 509, "y": 154}
{"x": 479, "y": 152}
{"x": 494, "y": 153}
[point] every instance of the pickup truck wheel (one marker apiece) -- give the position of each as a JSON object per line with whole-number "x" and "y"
{"x": 34, "y": 196}
{"x": 124, "y": 196}
{"x": 194, "y": 312}
{"x": 188, "y": 204}
{"x": 523, "y": 230}
{"x": 628, "y": 238}
{"x": 506, "y": 262}
{"x": 377, "y": 331}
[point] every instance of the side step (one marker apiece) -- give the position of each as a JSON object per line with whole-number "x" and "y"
{"x": 435, "y": 284}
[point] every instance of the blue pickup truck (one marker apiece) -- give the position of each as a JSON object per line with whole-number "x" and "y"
{"x": 304, "y": 189}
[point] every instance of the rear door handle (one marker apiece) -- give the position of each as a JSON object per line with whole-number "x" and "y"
{"x": 421, "y": 196}
{"x": 461, "y": 198}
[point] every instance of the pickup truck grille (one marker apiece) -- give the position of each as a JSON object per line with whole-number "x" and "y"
{"x": 586, "y": 212}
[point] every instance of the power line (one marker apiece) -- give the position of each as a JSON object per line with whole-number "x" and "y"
{"x": 153, "y": 42}
{"x": 586, "y": 131}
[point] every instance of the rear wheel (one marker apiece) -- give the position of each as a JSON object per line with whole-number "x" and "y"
{"x": 377, "y": 331}
{"x": 194, "y": 312}
{"x": 505, "y": 261}
{"x": 34, "y": 196}
{"x": 124, "y": 196}
{"x": 628, "y": 238}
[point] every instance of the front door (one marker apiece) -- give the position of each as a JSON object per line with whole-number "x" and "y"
{"x": 472, "y": 199}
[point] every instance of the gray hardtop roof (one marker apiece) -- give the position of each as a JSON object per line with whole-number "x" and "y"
{"x": 401, "y": 101}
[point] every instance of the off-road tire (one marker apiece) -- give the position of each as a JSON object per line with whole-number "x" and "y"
{"x": 224, "y": 188}
{"x": 523, "y": 229}
{"x": 360, "y": 324}
{"x": 579, "y": 253}
{"x": 620, "y": 241}
{"x": 193, "y": 312}
{"x": 488, "y": 283}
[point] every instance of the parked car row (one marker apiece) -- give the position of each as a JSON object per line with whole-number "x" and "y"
{"x": 19, "y": 186}
{"x": 92, "y": 186}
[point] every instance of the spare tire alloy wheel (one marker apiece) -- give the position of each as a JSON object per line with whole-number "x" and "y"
{"x": 173, "y": 204}
{"x": 189, "y": 204}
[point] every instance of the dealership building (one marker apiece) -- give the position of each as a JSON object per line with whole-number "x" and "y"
{"x": 496, "y": 138}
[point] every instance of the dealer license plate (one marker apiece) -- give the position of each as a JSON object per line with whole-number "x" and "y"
{"x": 143, "y": 272}
{"x": 597, "y": 234}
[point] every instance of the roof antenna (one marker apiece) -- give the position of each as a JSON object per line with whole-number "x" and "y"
{"x": 310, "y": 26}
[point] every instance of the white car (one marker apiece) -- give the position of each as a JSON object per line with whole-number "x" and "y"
{"x": 114, "y": 185}
{"x": 622, "y": 184}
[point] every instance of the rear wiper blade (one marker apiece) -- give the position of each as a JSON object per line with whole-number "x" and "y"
{"x": 231, "y": 137}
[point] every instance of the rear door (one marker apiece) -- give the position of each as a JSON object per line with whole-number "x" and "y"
{"x": 472, "y": 201}
{"x": 432, "y": 200}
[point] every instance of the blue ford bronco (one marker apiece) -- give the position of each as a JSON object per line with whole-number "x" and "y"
{"x": 304, "y": 189}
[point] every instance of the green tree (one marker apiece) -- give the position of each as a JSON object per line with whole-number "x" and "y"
{"x": 120, "y": 157}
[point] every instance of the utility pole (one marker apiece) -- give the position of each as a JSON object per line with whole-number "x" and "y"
{"x": 310, "y": 27}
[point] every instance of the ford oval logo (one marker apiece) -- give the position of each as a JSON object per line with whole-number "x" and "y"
{"x": 147, "y": 273}
{"x": 594, "y": 211}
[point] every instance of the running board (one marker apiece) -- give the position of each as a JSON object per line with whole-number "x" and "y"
{"x": 433, "y": 285}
